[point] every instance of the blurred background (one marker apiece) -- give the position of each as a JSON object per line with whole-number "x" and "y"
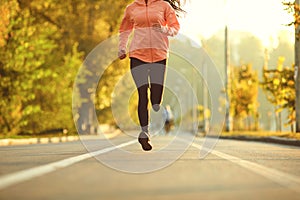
{"x": 43, "y": 44}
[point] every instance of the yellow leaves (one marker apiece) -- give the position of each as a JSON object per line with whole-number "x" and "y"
{"x": 279, "y": 86}
{"x": 297, "y": 15}
{"x": 281, "y": 60}
{"x": 101, "y": 25}
{"x": 276, "y": 82}
{"x": 5, "y": 15}
{"x": 249, "y": 82}
{"x": 207, "y": 113}
{"x": 46, "y": 4}
{"x": 283, "y": 80}
{"x": 295, "y": 10}
{"x": 132, "y": 107}
{"x": 203, "y": 113}
{"x": 97, "y": 6}
{"x": 291, "y": 83}
{"x": 244, "y": 91}
{"x": 200, "y": 108}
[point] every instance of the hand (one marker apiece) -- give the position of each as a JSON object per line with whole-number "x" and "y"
{"x": 157, "y": 27}
{"x": 122, "y": 54}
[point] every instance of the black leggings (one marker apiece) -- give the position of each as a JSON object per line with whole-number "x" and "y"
{"x": 148, "y": 75}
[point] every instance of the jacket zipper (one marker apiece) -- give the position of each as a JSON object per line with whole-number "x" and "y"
{"x": 147, "y": 16}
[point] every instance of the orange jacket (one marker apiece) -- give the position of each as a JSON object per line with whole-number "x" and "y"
{"x": 148, "y": 44}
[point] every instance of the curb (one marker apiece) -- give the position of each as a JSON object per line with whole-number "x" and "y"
{"x": 272, "y": 139}
{"x": 12, "y": 142}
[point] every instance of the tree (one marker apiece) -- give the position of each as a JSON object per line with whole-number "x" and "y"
{"x": 25, "y": 46}
{"x": 42, "y": 45}
{"x": 105, "y": 25}
{"x": 243, "y": 97}
{"x": 279, "y": 86}
{"x": 295, "y": 9}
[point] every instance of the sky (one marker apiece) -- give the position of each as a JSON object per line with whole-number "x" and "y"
{"x": 263, "y": 18}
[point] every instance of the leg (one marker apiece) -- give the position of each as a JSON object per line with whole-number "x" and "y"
{"x": 139, "y": 71}
{"x": 143, "y": 111}
{"x": 157, "y": 79}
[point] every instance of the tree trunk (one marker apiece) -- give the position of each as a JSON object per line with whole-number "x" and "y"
{"x": 278, "y": 121}
{"x": 297, "y": 70}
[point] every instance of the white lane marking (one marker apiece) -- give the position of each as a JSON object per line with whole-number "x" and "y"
{"x": 287, "y": 180}
{"x": 27, "y": 174}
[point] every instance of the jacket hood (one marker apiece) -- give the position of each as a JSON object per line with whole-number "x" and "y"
{"x": 142, "y": 2}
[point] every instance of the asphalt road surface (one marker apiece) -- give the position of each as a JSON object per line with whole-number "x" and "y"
{"x": 119, "y": 169}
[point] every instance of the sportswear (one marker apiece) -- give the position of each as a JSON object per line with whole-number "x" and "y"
{"x": 148, "y": 44}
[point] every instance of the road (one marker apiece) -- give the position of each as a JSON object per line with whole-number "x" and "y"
{"x": 232, "y": 170}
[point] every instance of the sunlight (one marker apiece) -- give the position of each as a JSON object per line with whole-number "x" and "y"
{"x": 262, "y": 18}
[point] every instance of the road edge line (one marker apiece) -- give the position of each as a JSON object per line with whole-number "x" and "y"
{"x": 28, "y": 174}
{"x": 282, "y": 178}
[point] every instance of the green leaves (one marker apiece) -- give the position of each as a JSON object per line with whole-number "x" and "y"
{"x": 42, "y": 45}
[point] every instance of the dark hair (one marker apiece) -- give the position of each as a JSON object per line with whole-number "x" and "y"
{"x": 176, "y": 4}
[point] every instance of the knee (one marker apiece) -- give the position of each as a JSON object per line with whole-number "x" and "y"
{"x": 156, "y": 107}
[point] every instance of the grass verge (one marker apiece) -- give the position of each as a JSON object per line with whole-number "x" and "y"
{"x": 289, "y": 135}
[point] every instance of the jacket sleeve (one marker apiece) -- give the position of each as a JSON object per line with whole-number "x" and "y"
{"x": 172, "y": 26}
{"x": 125, "y": 30}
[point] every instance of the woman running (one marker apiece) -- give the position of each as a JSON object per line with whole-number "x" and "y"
{"x": 152, "y": 21}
